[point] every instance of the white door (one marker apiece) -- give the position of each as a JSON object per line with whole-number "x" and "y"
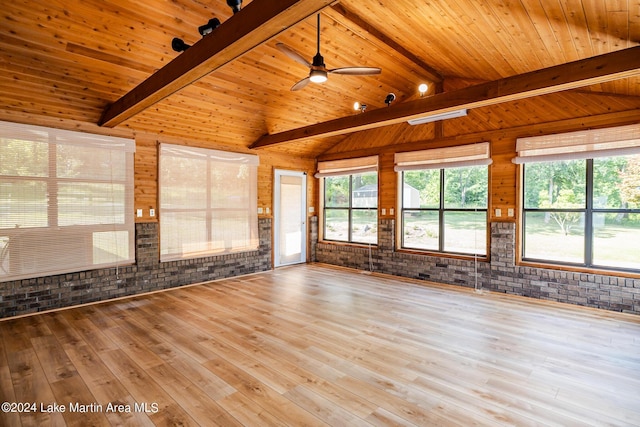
{"x": 290, "y": 217}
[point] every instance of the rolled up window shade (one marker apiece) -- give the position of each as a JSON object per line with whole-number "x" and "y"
{"x": 448, "y": 157}
{"x": 586, "y": 144}
{"x": 66, "y": 201}
{"x": 347, "y": 166}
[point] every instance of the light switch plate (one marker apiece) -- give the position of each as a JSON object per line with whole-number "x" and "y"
{"x": 139, "y": 213}
{"x": 498, "y": 212}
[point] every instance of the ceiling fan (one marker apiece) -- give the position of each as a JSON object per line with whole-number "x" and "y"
{"x": 317, "y": 69}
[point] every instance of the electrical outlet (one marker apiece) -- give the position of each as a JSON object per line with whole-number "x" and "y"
{"x": 391, "y": 211}
{"x": 510, "y": 212}
{"x": 268, "y": 211}
{"x": 152, "y": 212}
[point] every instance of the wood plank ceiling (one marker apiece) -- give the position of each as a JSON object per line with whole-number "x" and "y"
{"x": 68, "y": 61}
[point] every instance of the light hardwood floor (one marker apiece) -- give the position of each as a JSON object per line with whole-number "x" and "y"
{"x": 320, "y": 345}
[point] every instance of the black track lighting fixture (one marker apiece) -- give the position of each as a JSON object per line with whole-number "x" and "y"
{"x": 178, "y": 45}
{"x": 389, "y": 99}
{"x": 209, "y": 26}
{"x": 235, "y": 5}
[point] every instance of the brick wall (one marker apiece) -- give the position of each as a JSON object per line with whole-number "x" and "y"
{"x": 148, "y": 274}
{"x": 614, "y": 293}
{"x": 500, "y": 274}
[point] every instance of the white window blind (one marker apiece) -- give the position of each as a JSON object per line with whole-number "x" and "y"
{"x": 66, "y": 200}
{"x": 208, "y": 202}
{"x": 347, "y": 166}
{"x": 448, "y": 157}
{"x": 587, "y": 144}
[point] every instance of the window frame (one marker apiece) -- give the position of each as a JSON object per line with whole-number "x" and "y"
{"x": 55, "y": 247}
{"x": 588, "y": 212}
{"x": 441, "y": 210}
{"x": 210, "y": 208}
{"x": 350, "y": 208}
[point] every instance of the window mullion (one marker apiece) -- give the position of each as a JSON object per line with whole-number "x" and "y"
{"x": 441, "y": 214}
{"x": 588, "y": 220}
{"x": 350, "y": 216}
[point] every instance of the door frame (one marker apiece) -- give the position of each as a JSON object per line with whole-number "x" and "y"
{"x": 277, "y": 216}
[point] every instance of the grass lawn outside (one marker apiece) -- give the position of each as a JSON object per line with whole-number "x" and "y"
{"x": 615, "y": 244}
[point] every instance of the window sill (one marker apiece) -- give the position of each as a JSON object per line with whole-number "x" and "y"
{"x": 479, "y": 258}
{"x": 583, "y": 270}
{"x": 349, "y": 244}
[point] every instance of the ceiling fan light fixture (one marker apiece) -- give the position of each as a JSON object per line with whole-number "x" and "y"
{"x": 318, "y": 72}
{"x": 318, "y": 76}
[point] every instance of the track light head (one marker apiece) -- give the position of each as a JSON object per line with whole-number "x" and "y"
{"x": 178, "y": 45}
{"x": 389, "y": 99}
{"x": 235, "y": 5}
{"x": 209, "y": 26}
{"x": 359, "y": 107}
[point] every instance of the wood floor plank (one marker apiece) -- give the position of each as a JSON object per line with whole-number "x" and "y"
{"x": 146, "y": 391}
{"x": 327, "y": 410}
{"x": 80, "y": 405}
{"x": 319, "y": 345}
{"x": 262, "y": 395}
{"x": 247, "y": 412}
{"x": 53, "y": 359}
{"x": 105, "y": 386}
{"x": 7, "y": 394}
{"x": 31, "y": 386}
{"x": 191, "y": 398}
{"x": 80, "y": 322}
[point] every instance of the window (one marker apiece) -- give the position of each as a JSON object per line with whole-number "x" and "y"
{"x": 65, "y": 200}
{"x": 208, "y": 202}
{"x": 350, "y": 200}
{"x": 583, "y": 211}
{"x": 444, "y": 195}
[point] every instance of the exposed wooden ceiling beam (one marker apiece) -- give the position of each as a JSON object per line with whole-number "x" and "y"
{"x": 598, "y": 69}
{"x": 257, "y": 23}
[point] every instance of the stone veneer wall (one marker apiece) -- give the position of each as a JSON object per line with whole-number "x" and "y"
{"x": 147, "y": 274}
{"x": 501, "y": 274}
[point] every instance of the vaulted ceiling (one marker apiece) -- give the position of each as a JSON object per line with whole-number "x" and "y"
{"x": 66, "y": 62}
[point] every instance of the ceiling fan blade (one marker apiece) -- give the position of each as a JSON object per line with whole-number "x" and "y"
{"x": 293, "y": 54}
{"x": 301, "y": 84}
{"x": 356, "y": 71}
